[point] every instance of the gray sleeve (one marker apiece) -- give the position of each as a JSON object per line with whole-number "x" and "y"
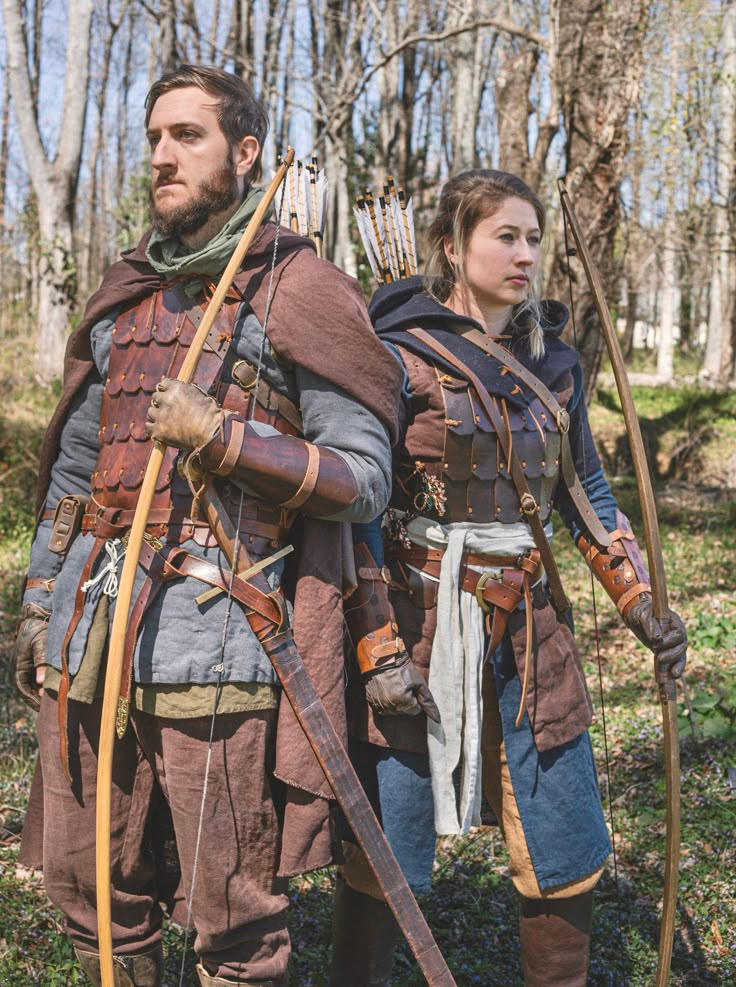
{"x": 334, "y": 420}
{"x": 72, "y": 470}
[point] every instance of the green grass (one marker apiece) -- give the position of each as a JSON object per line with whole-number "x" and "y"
{"x": 472, "y": 910}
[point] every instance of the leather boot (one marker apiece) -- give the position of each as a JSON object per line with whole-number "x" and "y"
{"x": 143, "y": 970}
{"x": 555, "y": 939}
{"x": 364, "y": 935}
{"x": 207, "y": 980}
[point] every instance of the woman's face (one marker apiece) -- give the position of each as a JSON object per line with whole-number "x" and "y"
{"x": 502, "y": 255}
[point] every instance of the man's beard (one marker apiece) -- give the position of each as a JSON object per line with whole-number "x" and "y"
{"x": 212, "y": 196}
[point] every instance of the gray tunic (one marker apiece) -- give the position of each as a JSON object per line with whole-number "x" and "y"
{"x": 181, "y": 641}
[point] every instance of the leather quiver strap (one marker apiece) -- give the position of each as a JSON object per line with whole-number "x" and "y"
{"x": 370, "y": 617}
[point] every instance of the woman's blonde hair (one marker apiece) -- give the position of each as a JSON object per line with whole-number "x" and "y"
{"x": 465, "y": 200}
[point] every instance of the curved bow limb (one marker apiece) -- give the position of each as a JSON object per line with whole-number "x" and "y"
{"x": 666, "y": 684}
{"x": 110, "y": 713}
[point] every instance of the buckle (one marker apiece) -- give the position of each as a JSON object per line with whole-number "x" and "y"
{"x": 244, "y": 383}
{"x": 529, "y": 504}
{"x": 563, "y": 421}
{"x": 480, "y": 586}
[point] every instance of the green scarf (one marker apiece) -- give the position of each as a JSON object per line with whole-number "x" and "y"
{"x": 170, "y": 258}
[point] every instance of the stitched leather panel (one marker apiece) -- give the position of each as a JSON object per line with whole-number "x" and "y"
{"x": 156, "y": 335}
{"x": 477, "y": 484}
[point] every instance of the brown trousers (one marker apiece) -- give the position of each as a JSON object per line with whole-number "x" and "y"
{"x": 238, "y": 905}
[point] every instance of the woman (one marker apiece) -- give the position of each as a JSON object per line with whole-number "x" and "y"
{"x": 460, "y": 613}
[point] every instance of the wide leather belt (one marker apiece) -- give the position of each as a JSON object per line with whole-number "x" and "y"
{"x": 507, "y": 581}
{"x": 261, "y": 537}
{"x": 504, "y": 589}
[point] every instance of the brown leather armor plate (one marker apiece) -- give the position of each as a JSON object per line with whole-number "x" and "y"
{"x": 150, "y": 341}
{"x": 477, "y": 483}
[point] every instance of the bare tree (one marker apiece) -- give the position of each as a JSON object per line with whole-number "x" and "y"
{"x": 600, "y": 62}
{"x": 55, "y": 177}
{"x": 719, "y": 347}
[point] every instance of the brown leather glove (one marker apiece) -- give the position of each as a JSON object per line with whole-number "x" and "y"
{"x": 30, "y": 651}
{"x": 400, "y": 689}
{"x": 182, "y": 415}
{"x": 667, "y": 640}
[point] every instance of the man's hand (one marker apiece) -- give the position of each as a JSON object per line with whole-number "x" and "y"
{"x": 182, "y": 415}
{"x": 400, "y": 689}
{"x": 30, "y": 653}
{"x": 667, "y": 640}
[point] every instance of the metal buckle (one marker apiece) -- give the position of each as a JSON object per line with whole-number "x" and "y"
{"x": 529, "y": 504}
{"x": 244, "y": 385}
{"x": 480, "y": 586}
{"x": 563, "y": 421}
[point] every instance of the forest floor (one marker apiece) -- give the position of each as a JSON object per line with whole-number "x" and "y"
{"x": 691, "y": 436}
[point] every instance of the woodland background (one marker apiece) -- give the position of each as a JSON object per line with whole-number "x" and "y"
{"x": 634, "y": 104}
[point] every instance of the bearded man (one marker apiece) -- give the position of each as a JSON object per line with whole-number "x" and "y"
{"x": 292, "y": 408}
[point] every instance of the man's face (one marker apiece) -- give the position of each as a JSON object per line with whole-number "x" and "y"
{"x": 196, "y": 177}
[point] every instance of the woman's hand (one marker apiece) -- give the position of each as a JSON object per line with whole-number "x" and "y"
{"x": 667, "y": 639}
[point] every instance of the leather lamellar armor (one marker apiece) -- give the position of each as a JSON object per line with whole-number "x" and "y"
{"x": 453, "y": 468}
{"x": 150, "y": 341}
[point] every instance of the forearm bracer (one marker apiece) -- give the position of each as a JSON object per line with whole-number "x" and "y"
{"x": 619, "y": 567}
{"x": 284, "y": 469}
{"x": 370, "y": 616}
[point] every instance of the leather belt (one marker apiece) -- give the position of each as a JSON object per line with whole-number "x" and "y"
{"x": 497, "y": 593}
{"x": 260, "y": 537}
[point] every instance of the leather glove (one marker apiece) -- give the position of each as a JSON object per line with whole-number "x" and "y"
{"x": 400, "y": 689}
{"x": 30, "y": 651}
{"x": 669, "y": 643}
{"x": 182, "y": 415}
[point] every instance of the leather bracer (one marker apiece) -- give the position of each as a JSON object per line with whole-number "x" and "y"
{"x": 283, "y": 469}
{"x": 619, "y": 568}
{"x": 370, "y": 616}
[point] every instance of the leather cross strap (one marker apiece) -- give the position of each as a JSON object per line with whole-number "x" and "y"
{"x": 562, "y": 419}
{"x": 173, "y": 562}
{"x": 529, "y": 506}
{"x": 243, "y": 373}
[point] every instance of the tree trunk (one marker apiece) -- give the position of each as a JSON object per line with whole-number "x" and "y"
{"x": 670, "y": 292}
{"x": 599, "y": 65}
{"x": 719, "y": 346}
{"x": 466, "y": 65}
{"x": 54, "y": 181}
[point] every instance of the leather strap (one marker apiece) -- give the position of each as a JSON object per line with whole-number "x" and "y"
{"x": 36, "y": 582}
{"x": 234, "y": 448}
{"x": 418, "y": 555}
{"x": 63, "y": 699}
{"x": 562, "y": 419}
{"x": 309, "y": 482}
{"x": 529, "y": 506}
{"x": 243, "y": 373}
{"x": 174, "y": 562}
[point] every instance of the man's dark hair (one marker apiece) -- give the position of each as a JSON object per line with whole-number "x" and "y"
{"x": 239, "y": 113}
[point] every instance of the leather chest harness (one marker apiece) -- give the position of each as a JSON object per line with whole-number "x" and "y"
{"x": 149, "y": 341}
{"x": 493, "y": 468}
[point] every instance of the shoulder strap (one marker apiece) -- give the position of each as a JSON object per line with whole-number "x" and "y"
{"x": 242, "y": 372}
{"x": 528, "y": 504}
{"x": 562, "y": 419}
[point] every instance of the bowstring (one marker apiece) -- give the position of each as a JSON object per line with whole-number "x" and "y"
{"x": 219, "y": 668}
{"x": 570, "y": 252}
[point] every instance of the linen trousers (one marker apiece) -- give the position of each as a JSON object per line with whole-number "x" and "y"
{"x": 238, "y": 906}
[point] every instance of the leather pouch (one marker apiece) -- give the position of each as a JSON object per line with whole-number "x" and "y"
{"x": 67, "y": 521}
